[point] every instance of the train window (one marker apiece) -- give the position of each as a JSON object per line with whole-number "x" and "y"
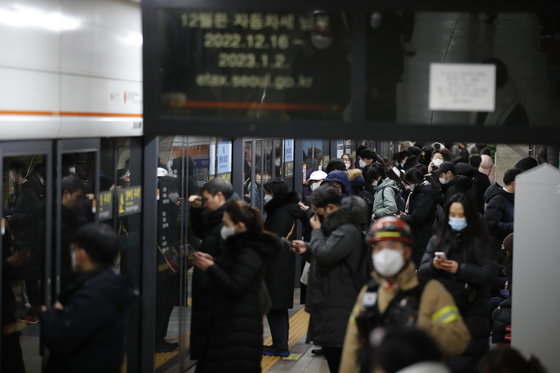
{"x": 254, "y": 64}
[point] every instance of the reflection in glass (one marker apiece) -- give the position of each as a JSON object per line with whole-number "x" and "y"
{"x": 23, "y": 261}
{"x": 518, "y": 44}
{"x": 78, "y": 194}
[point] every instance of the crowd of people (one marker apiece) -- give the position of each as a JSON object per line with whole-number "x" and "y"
{"x": 417, "y": 249}
{"x": 409, "y": 269}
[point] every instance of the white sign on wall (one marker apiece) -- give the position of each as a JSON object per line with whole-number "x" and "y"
{"x": 462, "y": 87}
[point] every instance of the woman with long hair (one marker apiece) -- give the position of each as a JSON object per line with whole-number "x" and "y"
{"x": 282, "y": 213}
{"x": 234, "y": 329}
{"x": 421, "y": 209}
{"x": 459, "y": 255}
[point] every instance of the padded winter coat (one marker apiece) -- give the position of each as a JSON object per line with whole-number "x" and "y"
{"x": 281, "y": 216}
{"x": 499, "y": 215}
{"x": 331, "y": 290}
{"x": 384, "y": 203}
{"x": 88, "y": 335}
{"x": 470, "y": 285}
{"x": 233, "y": 327}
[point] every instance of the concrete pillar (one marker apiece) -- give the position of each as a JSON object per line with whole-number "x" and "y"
{"x": 506, "y": 157}
{"x": 536, "y": 259}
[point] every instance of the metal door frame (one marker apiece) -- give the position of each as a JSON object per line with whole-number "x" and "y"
{"x": 20, "y": 148}
{"x": 64, "y": 147}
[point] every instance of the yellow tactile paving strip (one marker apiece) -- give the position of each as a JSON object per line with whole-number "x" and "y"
{"x": 161, "y": 358}
{"x": 298, "y": 327}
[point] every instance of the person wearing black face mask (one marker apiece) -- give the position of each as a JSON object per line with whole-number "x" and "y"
{"x": 460, "y": 257}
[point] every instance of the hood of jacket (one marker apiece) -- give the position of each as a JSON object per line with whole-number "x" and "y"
{"x": 387, "y": 183}
{"x": 492, "y": 191}
{"x": 461, "y": 181}
{"x": 116, "y": 288}
{"x": 354, "y": 210}
{"x": 267, "y": 245}
{"x": 501, "y": 192}
{"x": 427, "y": 188}
{"x": 342, "y": 178}
{"x": 288, "y": 201}
{"x": 357, "y": 184}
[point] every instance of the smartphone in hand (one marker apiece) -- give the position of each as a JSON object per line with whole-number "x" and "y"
{"x": 290, "y": 244}
{"x": 440, "y": 255}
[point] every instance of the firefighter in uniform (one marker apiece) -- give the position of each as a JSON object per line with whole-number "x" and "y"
{"x": 395, "y": 296}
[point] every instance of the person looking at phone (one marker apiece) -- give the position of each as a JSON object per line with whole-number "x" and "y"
{"x": 232, "y": 325}
{"x": 335, "y": 254}
{"x": 460, "y": 257}
{"x": 206, "y": 211}
{"x": 394, "y": 296}
{"x": 282, "y": 213}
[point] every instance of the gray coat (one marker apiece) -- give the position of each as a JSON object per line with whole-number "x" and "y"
{"x": 384, "y": 203}
{"x": 335, "y": 256}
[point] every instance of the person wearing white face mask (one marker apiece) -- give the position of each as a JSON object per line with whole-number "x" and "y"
{"x": 395, "y": 296}
{"x": 452, "y": 183}
{"x": 334, "y": 254}
{"x": 233, "y": 327}
{"x": 460, "y": 257}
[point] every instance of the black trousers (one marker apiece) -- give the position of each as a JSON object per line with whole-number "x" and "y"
{"x": 162, "y": 320}
{"x": 279, "y": 328}
{"x": 12, "y": 358}
{"x": 333, "y": 356}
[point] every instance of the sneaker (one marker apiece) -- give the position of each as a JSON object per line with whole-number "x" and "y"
{"x": 167, "y": 347}
{"x": 409, "y": 48}
{"x": 273, "y": 351}
{"x": 318, "y": 352}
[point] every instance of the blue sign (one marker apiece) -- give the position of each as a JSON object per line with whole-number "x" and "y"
{"x": 224, "y": 157}
{"x": 289, "y": 150}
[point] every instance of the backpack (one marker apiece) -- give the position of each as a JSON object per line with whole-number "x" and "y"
{"x": 362, "y": 273}
{"x": 399, "y": 199}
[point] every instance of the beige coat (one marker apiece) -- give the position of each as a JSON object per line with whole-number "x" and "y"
{"x": 437, "y": 314}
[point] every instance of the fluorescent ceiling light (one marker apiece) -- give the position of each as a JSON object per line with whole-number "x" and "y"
{"x": 22, "y": 16}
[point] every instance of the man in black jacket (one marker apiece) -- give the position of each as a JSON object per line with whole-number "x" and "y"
{"x": 85, "y": 329}
{"x": 206, "y": 211}
{"x": 453, "y": 183}
{"x": 499, "y": 211}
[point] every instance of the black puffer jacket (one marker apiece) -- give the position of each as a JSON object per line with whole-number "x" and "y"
{"x": 206, "y": 226}
{"x": 233, "y": 328}
{"x": 335, "y": 256}
{"x": 470, "y": 286}
{"x": 499, "y": 215}
{"x": 460, "y": 184}
{"x": 88, "y": 335}
{"x": 421, "y": 216}
{"x": 281, "y": 217}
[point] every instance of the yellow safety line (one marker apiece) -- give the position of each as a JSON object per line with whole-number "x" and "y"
{"x": 298, "y": 327}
